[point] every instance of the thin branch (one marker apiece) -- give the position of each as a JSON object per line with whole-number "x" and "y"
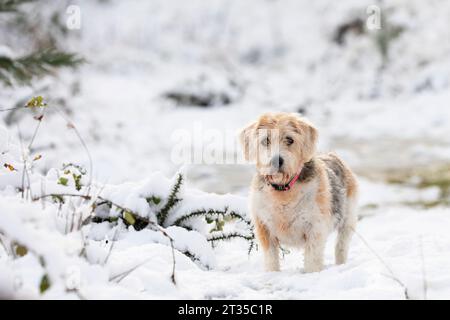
{"x": 111, "y": 247}
{"x": 24, "y": 169}
{"x": 119, "y": 277}
{"x": 11, "y": 109}
{"x": 77, "y": 293}
{"x": 388, "y": 268}
{"x": 83, "y": 242}
{"x": 229, "y": 236}
{"x": 204, "y": 212}
{"x": 3, "y": 245}
{"x": 424, "y": 274}
{"x": 71, "y": 125}
{"x": 39, "y": 120}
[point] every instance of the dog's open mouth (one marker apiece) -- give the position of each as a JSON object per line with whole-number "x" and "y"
{"x": 278, "y": 178}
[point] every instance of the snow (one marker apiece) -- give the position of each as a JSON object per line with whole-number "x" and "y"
{"x": 127, "y": 264}
{"x": 266, "y": 56}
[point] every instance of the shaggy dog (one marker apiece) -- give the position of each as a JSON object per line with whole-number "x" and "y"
{"x": 297, "y": 198}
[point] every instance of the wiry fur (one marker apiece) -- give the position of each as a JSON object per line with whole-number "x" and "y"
{"x": 322, "y": 200}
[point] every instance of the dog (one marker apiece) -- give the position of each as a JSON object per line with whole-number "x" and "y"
{"x": 297, "y": 198}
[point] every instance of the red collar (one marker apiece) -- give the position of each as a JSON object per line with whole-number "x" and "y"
{"x": 285, "y": 187}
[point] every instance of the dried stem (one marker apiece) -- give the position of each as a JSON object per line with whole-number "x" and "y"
{"x": 424, "y": 274}
{"x": 388, "y": 268}
{"x": 10, "y": 109}
{"x": 83, "y": 143}
{"x": 111, "y": 247}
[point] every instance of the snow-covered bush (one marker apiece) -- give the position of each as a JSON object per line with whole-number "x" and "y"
{"x": 159, "y": 202}
{"x": 59, "y": 231}
{"x": 206, "y": 90}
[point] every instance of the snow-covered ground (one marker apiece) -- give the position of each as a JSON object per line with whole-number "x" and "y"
{"x": 386, "y": 119}
{"x": 393, "y": 241}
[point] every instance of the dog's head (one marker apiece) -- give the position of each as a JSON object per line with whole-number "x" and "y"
{"x": 280, "y": 144}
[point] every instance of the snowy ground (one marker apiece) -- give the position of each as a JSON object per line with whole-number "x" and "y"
{"x": 385, "y": 125}
{"x": 393, "y": 240}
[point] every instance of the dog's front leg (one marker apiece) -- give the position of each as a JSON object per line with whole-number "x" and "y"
{"x": 314, "y": 252}
{"x": 271, "y": 256}
{"x": 269, "y": 245}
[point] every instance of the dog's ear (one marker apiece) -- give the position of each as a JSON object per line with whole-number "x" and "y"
{"x": 309, "y": 136}
{"x": 246, "y": 137}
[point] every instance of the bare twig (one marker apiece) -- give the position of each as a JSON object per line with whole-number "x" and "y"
{"x": 119, "y": 277}
{"x": 83, "y": 242}
{"x": 39, "y": 120}
{"x": 10, "y": 109}
{"x": 25, "y": 172}
{"x": 388, "y": 268}
{"x": 77, "y": 293}
{"x": 3, "y": 245}
{"x": 111, "y": 247}
{"x": 71, "y": 125}
{"x": 24, "y": 169}
{"x": 424, "y": 274}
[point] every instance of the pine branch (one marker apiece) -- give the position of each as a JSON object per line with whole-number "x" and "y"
{"x": 210, "y": 212}
{"x": 229, "y": 236}
{"x": 233, "y": 235}
{"x": 223, "y": 213}
{"x": 37, "y": 64}
{"x": 171, "y": 201}
{"x": 11, "y": 5}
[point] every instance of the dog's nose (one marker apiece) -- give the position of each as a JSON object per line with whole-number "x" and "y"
{"x": 277, "y": 162}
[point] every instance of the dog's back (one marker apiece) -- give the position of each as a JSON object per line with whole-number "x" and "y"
{"x": 343, "y": 186}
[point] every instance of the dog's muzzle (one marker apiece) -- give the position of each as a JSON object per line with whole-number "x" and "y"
{"x": 277, "y": 162}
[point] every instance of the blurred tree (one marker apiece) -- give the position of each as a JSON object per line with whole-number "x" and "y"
{"x": 41, "y": 61}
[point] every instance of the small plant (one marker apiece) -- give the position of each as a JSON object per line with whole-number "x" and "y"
{"x": 76, "y": 172}
{"x": 171, "y": 202}
{"x": 36, "y": 102}
{"x": 169, "y": 208}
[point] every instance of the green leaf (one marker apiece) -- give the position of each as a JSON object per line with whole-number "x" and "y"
{"x": 36, "y": 102}
{"x": 219, "y": 225}
{"x": 113, "y": 219}
{"x": 58, "y": 198}
{"x": 154, "y": 199}
{"x": 45, "y": 284}
{"x": 77, "y": 180}
{"x": 129, "y": 218}
{"x": 63, "y": 181}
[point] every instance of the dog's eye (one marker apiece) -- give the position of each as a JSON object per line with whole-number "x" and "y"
{"x": 266, "y": 141}
{"x": 289, "y": 141}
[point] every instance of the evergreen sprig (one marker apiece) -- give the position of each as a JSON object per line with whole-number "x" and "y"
{"x": 233, "y": 235}
{"x": 172, "y": 201}
{"x": 37, "y": 64}
{"x": 11, "y": 5}
{"x": 228, "y": 236}
{"x": 217, "y": 234}
{"x": 208, "y": 213}
{"x": 220, "y": 217}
